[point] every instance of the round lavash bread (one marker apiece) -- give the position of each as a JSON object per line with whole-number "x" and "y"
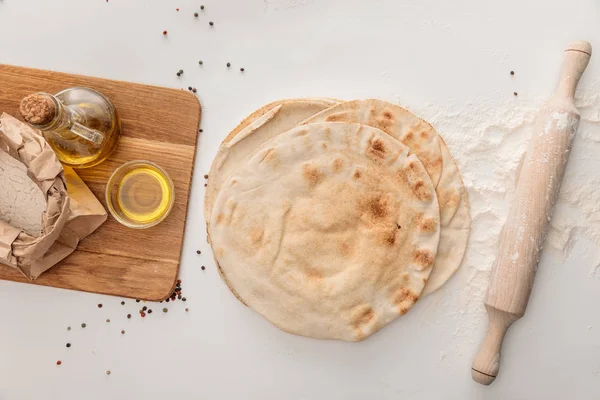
{"x": 431, "y": 149}
{"x": 329, "y": 231}
{"x": 254, "y": 130}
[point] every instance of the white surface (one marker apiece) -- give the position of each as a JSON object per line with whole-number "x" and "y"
{"x": 419, "y": 53}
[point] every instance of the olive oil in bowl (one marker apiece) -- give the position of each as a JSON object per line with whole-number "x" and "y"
{"x": 140, "y": 194}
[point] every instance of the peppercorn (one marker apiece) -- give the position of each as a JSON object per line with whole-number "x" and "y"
{"x": 68, "y": 328}
{"x": 202, "y": 7}
{"x": 83, "y": 325}
{"x": 178, "y": 74}
{"x": 184, "y": 299}
{"x": 58, "y": 362}
{"x": 512, "y": 72}
{"x": 107, "y": 320}
{"x": 108, "y": 372}
{"x": 198, "y": 252}
{"x": 201, "y": 130}
{"x": 137, "y": 301}
{"x": 143, "y": 314}
{"x": 68, "y": 344}
{"x": 194, "y": 90}
{"x": 200, "y": 62}
{"x": 164, "y": 33}
{"x": 187, "y": 309}
{"x": 123, "y": 332}
{"x": 205, "y": 176}
{"x": 122, "y": 303}
{"x": 165, "y": 310}
{"x": 144, "y": 308}
{"x": 149, "y": 311}
{"x": 228, "y": 65}
{"x": 205, "y": 185}
{"x": 196, "y": 15}
{"x": 515, "y": 93}
{"x": 167, "y": 300}
{"x": 99, "y": 305}
{"x": 242, "y": 69}
{"x": 179, "y": 297}
{"x": 189, "y": 88}
{"x": 181, "y": 71}
{"x": 211, "y": 23}
{"x": 128, "y": 316}
{"x": 203, "y": 268}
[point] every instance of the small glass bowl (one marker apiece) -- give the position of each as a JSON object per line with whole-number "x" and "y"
{"x": 150, "y": 171}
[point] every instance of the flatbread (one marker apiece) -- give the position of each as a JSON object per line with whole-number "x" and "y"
{"x": 424, "y": 141}
{"x": 254, "y": 130}
{"x": 329, "y": 231}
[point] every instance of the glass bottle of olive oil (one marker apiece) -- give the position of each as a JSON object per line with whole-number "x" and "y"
{"x": 80, "y": 124}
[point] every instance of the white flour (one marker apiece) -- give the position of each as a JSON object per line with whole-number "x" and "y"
{"x": 22, "y": 203}
{"x": 487, "y": 141}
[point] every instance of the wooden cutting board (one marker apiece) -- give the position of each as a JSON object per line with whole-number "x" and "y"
{"x": 159, "y": 125}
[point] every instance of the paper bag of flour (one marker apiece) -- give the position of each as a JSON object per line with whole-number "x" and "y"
{"x": 71, "y": 213}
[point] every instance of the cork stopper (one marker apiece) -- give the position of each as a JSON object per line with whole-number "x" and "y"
{"x": 38, "y": 109}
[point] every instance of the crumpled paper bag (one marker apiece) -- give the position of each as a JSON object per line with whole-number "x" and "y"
{"x": 72, "y": 210}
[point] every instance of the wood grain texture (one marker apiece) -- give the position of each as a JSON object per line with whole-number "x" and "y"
{"x": 159, "y": 125}
{"x": 523, "y": 235}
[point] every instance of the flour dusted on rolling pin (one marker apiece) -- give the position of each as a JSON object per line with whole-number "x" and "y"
{"x": 22, "y": 202}
{"x": 561, "y": 121}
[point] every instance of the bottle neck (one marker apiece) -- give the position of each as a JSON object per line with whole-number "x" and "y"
{"x": 63, "y": 116}
{"x": 65, "y": 123}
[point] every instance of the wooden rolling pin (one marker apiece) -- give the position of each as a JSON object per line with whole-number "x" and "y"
{"x": 523, "y": 234}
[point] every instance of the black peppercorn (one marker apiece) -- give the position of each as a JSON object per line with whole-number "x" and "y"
{"x": 228, "y": 65}
{"x": 211, "y": 23}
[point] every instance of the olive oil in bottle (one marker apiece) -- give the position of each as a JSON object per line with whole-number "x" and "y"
{"x": 80, "y": 124}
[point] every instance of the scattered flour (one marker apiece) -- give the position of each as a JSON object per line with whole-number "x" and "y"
{"x": 488, "y": 141}
{"x": 22, "y": 203}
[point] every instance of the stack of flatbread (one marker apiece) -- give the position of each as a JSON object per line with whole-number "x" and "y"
{"x": 332, "y": 218}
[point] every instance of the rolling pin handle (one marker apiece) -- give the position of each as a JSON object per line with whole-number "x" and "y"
{"x": 577, "y": 57}
{"x": 487, "y": 361}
